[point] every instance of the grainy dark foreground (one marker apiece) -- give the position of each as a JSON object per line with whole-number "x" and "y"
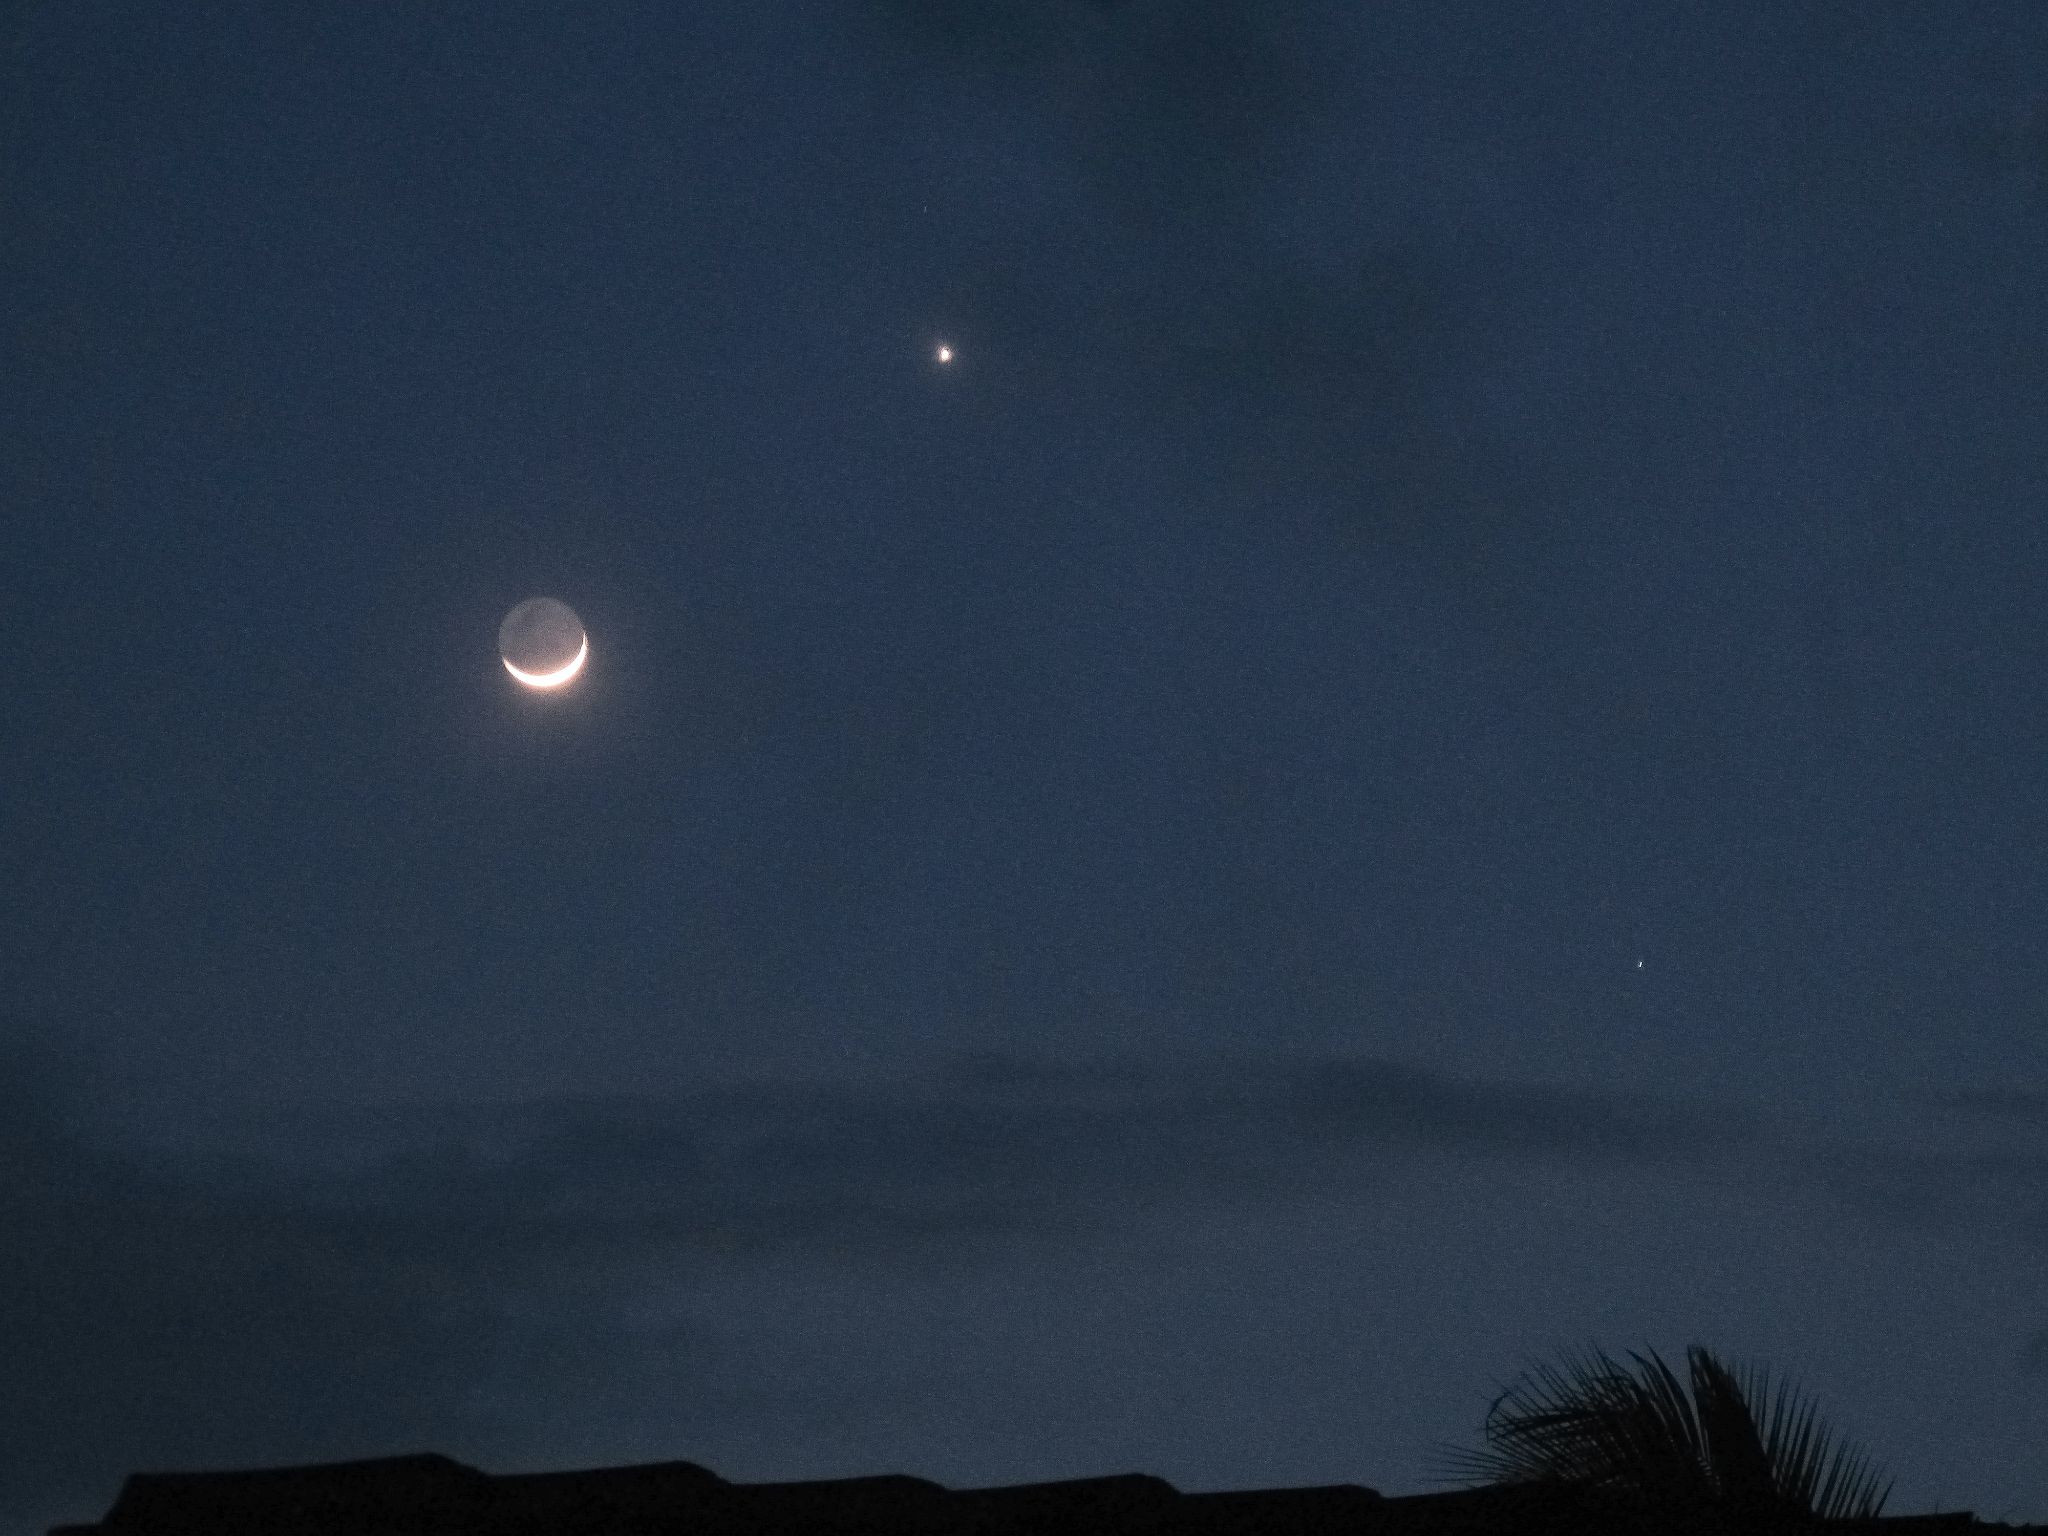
{"x": 403, "y": 1495}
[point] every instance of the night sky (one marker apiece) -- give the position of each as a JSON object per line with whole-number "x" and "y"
{"x": 1429, "y": 747}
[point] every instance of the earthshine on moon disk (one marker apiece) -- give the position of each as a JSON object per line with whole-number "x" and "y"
{"x": 542, "y": 643}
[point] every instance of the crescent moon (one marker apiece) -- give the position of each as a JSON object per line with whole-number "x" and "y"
{"x": 556, "y": 678}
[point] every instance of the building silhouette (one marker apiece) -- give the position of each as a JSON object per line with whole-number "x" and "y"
{"x": 418, "y": 1495}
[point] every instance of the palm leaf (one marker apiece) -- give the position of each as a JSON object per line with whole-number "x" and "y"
{"x": 1600, "y": 1427}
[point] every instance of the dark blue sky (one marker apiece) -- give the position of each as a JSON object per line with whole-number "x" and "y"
{"x": 1428, "y": 747}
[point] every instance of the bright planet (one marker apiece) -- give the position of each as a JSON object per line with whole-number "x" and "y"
{"x": 542, "y": 643}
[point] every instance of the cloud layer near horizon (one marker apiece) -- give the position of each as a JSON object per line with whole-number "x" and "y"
{"x": 453, "y": 1277}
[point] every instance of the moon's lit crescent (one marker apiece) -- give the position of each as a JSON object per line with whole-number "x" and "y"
{"x": 556, "y": 678}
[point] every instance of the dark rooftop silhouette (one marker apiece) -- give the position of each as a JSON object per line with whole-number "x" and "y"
{"x": 400, "y": 1495}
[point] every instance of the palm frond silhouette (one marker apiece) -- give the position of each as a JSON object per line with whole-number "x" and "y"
{"x": 1600, "y": 1427}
